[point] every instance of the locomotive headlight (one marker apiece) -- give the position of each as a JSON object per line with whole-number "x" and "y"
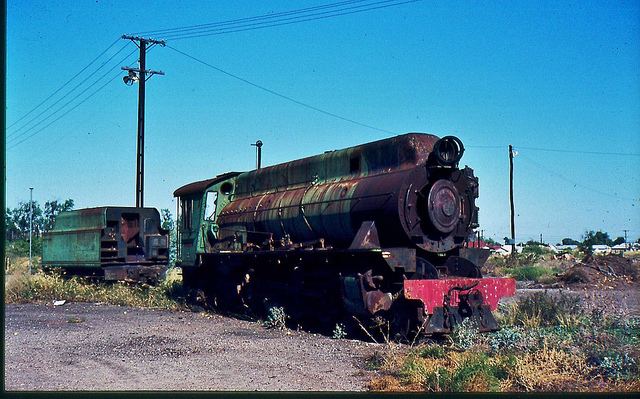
{"x": 448, "y": 150}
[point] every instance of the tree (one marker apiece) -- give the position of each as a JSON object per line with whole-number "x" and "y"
{"x": 490, "y": 241}
{"x": 598, "y": 238}
{"x": 618, "y": 241}
{"x": 18, "y": 224}
{"x": 52, "y": 209}
{"x": 167, "y": 219}
{"x": 169, "y": 224}
{"x": 591, "y": 238}
{"x": 12, "y": 232}
{"x": 570, "y": 241}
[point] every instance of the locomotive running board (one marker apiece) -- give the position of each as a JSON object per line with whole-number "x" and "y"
{"x": 449, "y": 301}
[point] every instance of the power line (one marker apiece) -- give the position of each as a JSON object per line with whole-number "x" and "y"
{"x": 246, "y": 19}
{"x": 285, "y": 21}
{"x": 275, "y": 93}
{"x": 631, "y": 154}
{"x": 502, "y": 147}
{"x": 63, "y": 97}
{"x": 69, "y": 92}
{"x": 15, "y": 144}
{"x": 574, "y": 182}
{"x": 66, "y": 83}
{"x": 68, "y": 111}
{"x": 517, "y": 147}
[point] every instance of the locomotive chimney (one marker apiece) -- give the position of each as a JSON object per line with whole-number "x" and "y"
{"x": 258, "y": 146}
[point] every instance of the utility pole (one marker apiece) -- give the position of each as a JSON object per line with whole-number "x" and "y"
{"x": 626, "y": 246}
{"x": 30, "y": 226}
{"x": 513, "y": 225}
{"x": 140, "y": 75}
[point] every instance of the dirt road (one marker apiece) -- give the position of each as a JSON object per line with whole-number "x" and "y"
{"x": 101, "y": 347}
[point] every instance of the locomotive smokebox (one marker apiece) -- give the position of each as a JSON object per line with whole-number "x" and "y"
{"x": 443, "y": 206}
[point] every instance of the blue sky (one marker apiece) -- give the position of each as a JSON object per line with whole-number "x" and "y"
{"x": 538, "y": 75}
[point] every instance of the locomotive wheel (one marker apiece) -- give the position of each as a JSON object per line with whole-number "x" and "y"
{"x": 407, "y": 319}
{"x": 247, "y": 291}
{"x": 224, "y": 293}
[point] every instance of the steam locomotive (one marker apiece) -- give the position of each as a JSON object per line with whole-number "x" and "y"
{"x": 375, "y": 230}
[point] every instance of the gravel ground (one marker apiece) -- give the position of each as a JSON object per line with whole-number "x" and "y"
{"x": 84, "y": 346}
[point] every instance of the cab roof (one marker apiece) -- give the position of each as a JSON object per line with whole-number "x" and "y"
{"x": 200, "y": 186}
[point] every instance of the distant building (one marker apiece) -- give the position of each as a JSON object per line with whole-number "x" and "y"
{"x": 563, "y": 248}
{"x": 600, "y": 249}
{"x": 507, "y": 249}
{"x": 620, "y": 248}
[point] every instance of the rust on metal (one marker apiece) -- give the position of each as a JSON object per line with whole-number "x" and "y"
{"x": 330, "y": 195}
{"x": 432, "y": 292}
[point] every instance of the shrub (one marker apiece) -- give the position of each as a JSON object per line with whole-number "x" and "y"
{"x": 616, "y": 366}
{"x": 550, "y": 369}
{"x": 431, "y": 351}
{"x": 531, "y": 273}
{"x": 543, "y": 309}
{"x": 340, "y": 331}
{"x": 465, "y": 335}
{"x": 534, "y": 249}
{"x": 375, "y": 361}
{"x": 505, "y": 339}
{"x": 276, "y": 318}
{"x": 478, "y": 373}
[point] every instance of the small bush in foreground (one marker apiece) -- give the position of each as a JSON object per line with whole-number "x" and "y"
{"x": 339, "y": 332}
{"x": 277, "y": 318}
{"x": 541, "y": 309}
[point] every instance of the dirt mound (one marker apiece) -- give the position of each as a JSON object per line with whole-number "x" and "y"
{"x": 609, "y": 271}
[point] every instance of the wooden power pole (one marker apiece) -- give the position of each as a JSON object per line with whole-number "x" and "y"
{"x": 140, "y": 75}
{"x": 513, "y": 223}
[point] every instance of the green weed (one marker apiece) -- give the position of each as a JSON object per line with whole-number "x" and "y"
{"x": 276, "y": 318}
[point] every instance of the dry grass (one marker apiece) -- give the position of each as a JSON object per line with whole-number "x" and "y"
{"x": 632, "y": 255}
{"x": 20, "y": 287}
{"x": 544, "y": 370}
{"x": 550, "y": 369}
{"x": 547, "y": 344}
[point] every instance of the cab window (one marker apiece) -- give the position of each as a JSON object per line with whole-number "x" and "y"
{"x": 210, "y": 205}
{"x": 187, "y": 209}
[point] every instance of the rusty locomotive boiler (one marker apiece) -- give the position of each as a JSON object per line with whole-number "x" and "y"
{"x": 377, "y": 229}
